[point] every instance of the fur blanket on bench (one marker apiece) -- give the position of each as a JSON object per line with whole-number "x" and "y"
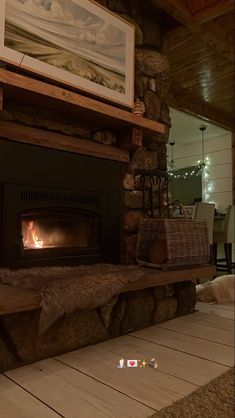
{"x": 66, "y": 289}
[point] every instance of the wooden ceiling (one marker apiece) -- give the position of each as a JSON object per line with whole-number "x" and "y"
{"x": 201, "y": 52}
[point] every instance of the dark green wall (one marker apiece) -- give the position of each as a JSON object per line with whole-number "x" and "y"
{"x": 186, "y": 190}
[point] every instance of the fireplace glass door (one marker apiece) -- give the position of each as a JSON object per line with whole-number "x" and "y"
{"x": 54, "y": 229}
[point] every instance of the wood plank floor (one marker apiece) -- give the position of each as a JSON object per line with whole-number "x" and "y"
{"x": 86, "y": 383}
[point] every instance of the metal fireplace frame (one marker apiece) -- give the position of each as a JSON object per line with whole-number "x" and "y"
{"x": 20, "y": 199}
{"x": 33, "y": 178}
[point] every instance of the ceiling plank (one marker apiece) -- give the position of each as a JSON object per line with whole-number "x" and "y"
{"x": 203, "y": 111}
{"x": 214, "y": 36}
{"x": 203, "y": 11}
{"x": 210, "y": 33}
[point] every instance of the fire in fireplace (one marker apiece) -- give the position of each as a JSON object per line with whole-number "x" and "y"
{"x": 56, "y": 224}
{"x": 57, "y": 228}
{"x": 50, "y": 226}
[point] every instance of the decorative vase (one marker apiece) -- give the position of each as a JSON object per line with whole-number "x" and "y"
{"x": 139, "y": 107}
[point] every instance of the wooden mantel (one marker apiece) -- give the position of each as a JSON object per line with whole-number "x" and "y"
{"x": 29, "y": 90}
{"x": 52, "y": 140}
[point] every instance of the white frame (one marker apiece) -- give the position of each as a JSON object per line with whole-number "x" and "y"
{"x": 35, "y": 65}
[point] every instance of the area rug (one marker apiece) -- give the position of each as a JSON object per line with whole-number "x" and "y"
{"x": 66, "y": 289}
{"x": 214, "y": 400}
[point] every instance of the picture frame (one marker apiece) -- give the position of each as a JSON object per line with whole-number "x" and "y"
{"x": 76, "y": 42}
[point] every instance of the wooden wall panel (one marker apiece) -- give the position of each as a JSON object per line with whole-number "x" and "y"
{"x": 219, "y": 151}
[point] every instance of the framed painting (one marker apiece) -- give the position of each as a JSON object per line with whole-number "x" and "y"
{"x": 76, "y": 42}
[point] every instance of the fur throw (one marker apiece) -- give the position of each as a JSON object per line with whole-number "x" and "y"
{"x": 220, "y": 290}
{"x": 65, "y": 289}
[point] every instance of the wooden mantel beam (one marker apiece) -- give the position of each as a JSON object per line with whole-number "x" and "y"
{"x": 210, "y": 33}
{"x": 31, "y": 91}
{"x": 53, "y": 140}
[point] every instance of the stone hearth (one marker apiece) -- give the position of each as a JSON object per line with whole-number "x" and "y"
{"x": 123, "y": 313}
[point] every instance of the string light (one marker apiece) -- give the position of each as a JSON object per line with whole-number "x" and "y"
{"x": 191, "y": 171}
{"x": 201, "y": 167}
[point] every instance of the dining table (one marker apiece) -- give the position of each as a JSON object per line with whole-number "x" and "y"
{"x": 219, "y": 218}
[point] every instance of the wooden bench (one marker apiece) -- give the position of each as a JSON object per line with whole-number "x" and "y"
{"x": 13, "y": 299}
{"x": 17, "y": 300}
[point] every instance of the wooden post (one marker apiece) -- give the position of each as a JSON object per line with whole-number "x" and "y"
{"x": 130, "y": 138}
{"x": 233, "y": 165}
{"x": 1, "y": 99}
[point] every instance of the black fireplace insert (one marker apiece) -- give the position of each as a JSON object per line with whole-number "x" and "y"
{"x": 51, "y": 223}
{"x": 45, "y": 225}
{"x": 57, "y": 228}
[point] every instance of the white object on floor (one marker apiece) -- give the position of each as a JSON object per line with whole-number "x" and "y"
{"x": 220, "y": 290}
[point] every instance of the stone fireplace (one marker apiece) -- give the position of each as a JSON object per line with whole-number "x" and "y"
{"x": 43, "y": 190}
{"x": 61, "y": 206}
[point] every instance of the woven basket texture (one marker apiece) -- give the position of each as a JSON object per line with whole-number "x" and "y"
{"x": 186, "y": 242}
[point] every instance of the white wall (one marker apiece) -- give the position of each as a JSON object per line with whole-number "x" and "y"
{"x": 217, "y": 186}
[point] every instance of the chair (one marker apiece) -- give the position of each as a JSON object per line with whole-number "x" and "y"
{"x": 226, "y": 237}
{"x": 205, "y": 212}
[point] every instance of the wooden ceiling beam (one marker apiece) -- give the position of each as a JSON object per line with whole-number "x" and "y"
{"x": 204, "y": 111}
{"x": 175, "y": 8}
{"x": 202, "y": 12}
{"x": 210, "y": 33}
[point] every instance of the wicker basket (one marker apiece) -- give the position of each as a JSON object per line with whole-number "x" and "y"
{"x": 186, "y": 242}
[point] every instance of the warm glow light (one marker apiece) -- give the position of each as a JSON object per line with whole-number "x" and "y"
{"x": 32, "y": 238}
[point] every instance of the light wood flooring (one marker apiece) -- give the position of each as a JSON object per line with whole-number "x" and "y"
{"x": 190, "y": 351}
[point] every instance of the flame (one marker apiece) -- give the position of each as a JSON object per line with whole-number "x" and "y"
{"x": 32, "y": 238}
